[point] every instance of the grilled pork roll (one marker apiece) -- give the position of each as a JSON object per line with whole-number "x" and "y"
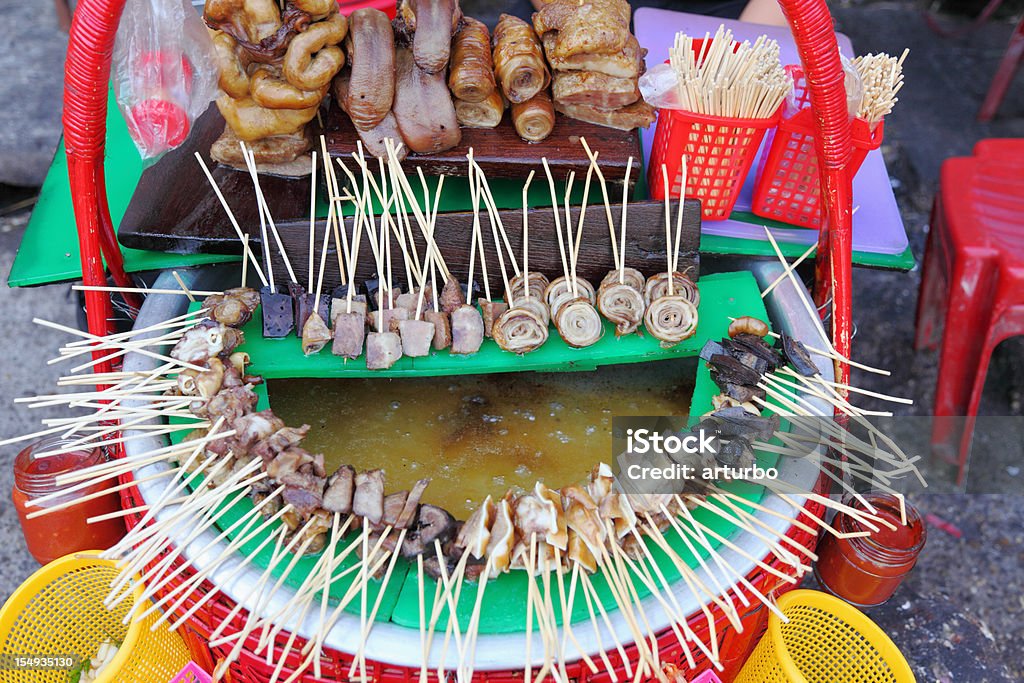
{"x": 520, "y": 330}
{"x": 534, "y": 119}
{"x": 518, "y": 60}
{"x": 623, "y": 305}
{"x": 682, "y": 285}
{"x": 471, "y": 74}
{"x": 578, "y": 323}
{"x": 486, "y": 113}
{"x": 671, "y": 319}
{"x": 559, "y": 292}
{"x": 630, "y": 276}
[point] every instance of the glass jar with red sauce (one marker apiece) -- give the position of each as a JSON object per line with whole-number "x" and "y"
{"x": 865, "y": 571}
{"x": 67, "y": 530}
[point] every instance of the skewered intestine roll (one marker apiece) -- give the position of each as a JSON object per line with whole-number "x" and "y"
{"x": 538, "y": 283}
{"x": 630, "y": 276}
{"x": 682, "y": 285}
{"x": 579, "y": 323}
{"x": 623, "y": 305}
{"x": 671, "y": 319}
{"x": 520, "y": 330}
{"x": 560, "y": 292}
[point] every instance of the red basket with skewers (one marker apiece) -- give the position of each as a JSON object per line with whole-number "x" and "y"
{"x": 788, "y": 187}
{"x": 719, "y": 151}
{"x": 85, "y": 109}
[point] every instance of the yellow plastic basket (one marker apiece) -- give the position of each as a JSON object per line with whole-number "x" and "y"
{"x": 59, "y": 611}
{"x": 825, "y": 641}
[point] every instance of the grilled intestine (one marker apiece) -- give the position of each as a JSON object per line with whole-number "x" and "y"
{"x": 275, "y": 69}
{"x": 518, "y": 60}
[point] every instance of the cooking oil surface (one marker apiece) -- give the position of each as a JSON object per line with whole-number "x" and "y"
{"x": 476, "y": 435}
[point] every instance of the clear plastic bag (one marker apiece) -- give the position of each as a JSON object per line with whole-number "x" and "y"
{"x": 165, "y": 73}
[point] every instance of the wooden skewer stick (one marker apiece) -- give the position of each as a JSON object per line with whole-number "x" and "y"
{"x": 526, "y": 236}
{"x": 376, "y": 603}
{"x": 679, "y": 220}
{"x": 583, "y": 214}
{"x": 231, "y": 218}
{"x": 265, "y": 208}
{"x": 91, "y": 496}
{"x": 495, "y": 221}
{"x": 781, "y": 553}
{"x": 567, "y": 631}
{"x": 617, "y": 257}
{"x": 493, "y": 208}
{"x": 668, "y": 232}
{"x": 593, "y": 621}
{"x": 628, "y": 590}
{"x": 335, "y": 212}
{"x": 141, "y": 290}
{"x": 556, "y": 210}
{"x": 621, "y": 265}
{"x": 184, "y": 288}
{"x": 312, "y": 225}
{"x": 594, "y": 600}
{"x": 417, "y": 212}
{"x": 183, "y": 320}
{"x": 568, "y": 236}
{"x": 475, "y": 191}
{"x": 530, "y": 589}
{"x": 245, "y": 260}
{"x": 788, "y": 269}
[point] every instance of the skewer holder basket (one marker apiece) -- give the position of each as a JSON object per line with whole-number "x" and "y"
{"x": 788, "y": 187}
{"x": 719, "y": 152}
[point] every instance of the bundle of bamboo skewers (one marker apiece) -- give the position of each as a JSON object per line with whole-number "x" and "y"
{"x": 881, "y": 77}
{"x": 717, "y": 77}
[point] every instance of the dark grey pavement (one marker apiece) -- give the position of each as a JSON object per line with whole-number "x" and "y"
{"x": 960, "y": 617}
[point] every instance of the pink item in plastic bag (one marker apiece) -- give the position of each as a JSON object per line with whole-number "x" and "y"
{"x": 191, "y": 674}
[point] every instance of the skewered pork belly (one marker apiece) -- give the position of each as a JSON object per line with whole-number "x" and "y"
{"x": 518, "y": 60}
{"x": 383, "y": 349}
{"x": 520, "y": 329}
{"x": 491, "y": 311}
{"x": 442, "y": 328}
{"x": 538, "y": 283}
{"x": 657, "y": 287}
{"x": 417, "y": 336}
{"x": 467, "y": 330}
{"x": 349, "y": 334}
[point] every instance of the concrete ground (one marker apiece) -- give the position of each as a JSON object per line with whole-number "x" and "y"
{"x": 960, "y": 616}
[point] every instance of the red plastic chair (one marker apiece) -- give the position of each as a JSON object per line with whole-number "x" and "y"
{"x": 972, "y": 289}
{"x": 87, "y": 74}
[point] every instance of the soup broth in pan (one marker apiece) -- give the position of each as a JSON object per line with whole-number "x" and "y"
{"x": 476, "y": 435}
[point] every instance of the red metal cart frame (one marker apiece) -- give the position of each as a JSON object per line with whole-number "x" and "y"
{"x": 87, "y": 77}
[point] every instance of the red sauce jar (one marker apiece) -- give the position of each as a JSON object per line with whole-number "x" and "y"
{"x": 865, "y": 571}
{"x": 64, "y": 531}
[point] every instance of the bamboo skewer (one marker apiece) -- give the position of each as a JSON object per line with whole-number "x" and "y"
{"x": 556, "y": 210}
{"x": 97, "y": 338}
{"x": 621, "y": 265}
{"x": 568, "y": 236}
{"x": 231, "y": 218}
{"x": 265, "y": 210}
{"x": 184, "y": 291}
{"x": 787, "y": 270}
{"x": 617, "y": 256}
{"x": 668, "y": 232}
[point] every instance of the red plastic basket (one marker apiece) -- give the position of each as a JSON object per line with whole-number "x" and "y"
{"x": 719, "y": 152}
{"x": 788, "y": 185}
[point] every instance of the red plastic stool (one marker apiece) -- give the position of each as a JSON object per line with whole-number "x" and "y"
{"x": 972, "y": 289}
